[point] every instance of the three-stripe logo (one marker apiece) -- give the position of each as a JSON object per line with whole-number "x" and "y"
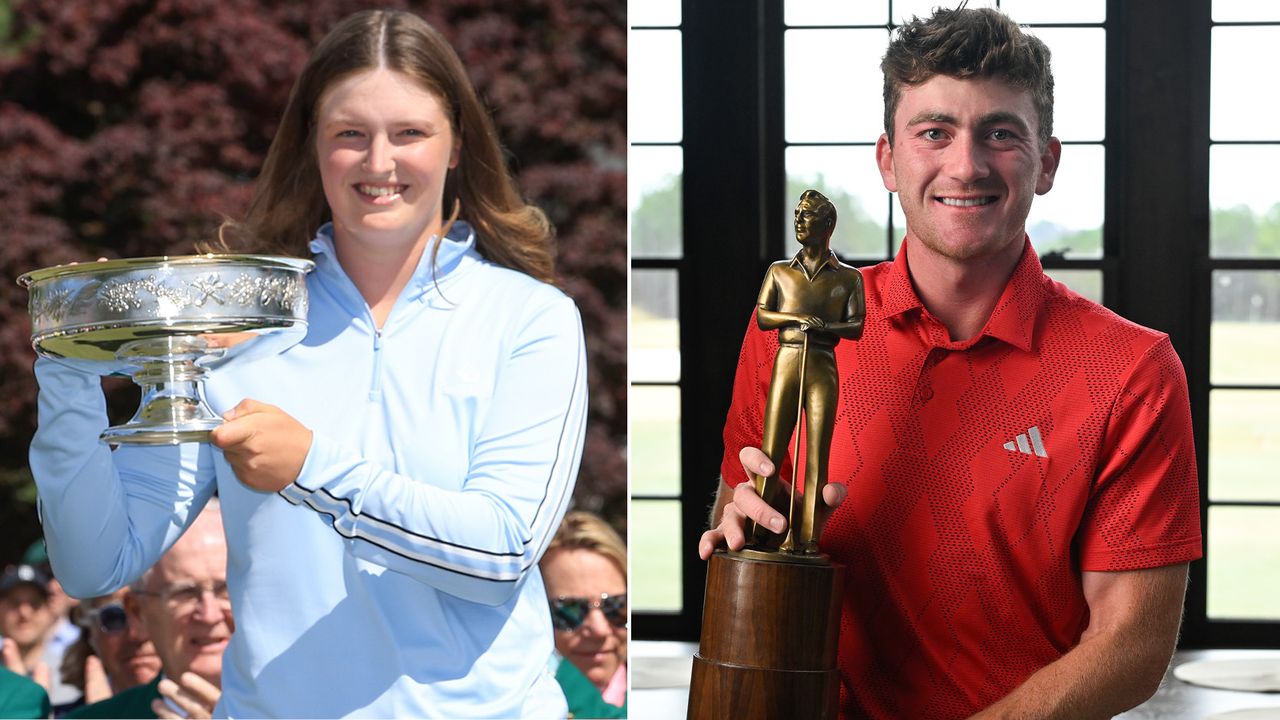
{"x": 1021, "y": 444}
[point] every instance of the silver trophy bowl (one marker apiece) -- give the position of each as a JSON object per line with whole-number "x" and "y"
{"x": 166, "y": 321}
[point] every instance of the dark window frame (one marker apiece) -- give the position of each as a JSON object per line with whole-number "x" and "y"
{"x": 1156, "y": 266}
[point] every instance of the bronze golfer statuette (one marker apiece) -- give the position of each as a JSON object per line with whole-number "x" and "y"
{"x": 813, "y": 301}
{"x": 771, "y": 618}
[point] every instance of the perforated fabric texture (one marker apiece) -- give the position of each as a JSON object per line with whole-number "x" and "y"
{"x": 984, "y": 476}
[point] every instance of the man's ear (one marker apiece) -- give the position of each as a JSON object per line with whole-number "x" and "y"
{"x": 1050, "y": 159}
{"x": 884, "y": 160}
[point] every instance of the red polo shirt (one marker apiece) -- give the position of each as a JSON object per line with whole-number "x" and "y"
{"x": 983, "y": 477}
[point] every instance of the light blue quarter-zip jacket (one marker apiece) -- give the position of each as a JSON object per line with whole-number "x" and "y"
{"x": 397, "y": 576}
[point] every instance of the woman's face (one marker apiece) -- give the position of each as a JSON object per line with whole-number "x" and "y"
{"x": 596, "y": 647}
{"x": 384, "y": 144}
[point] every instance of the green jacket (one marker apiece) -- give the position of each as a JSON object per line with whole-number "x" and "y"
{"x": 132, "y": 703}
{"x": 583, "y": 697}
{"x": 21, "y": 697}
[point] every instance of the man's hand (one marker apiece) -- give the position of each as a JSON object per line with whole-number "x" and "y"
{"x": 10, "y": 658}
{"x": 745, "y": 505}
{"x": 811, "y": 322}
{"x": 195, "y": 695}
{"x": 265, "y": 445}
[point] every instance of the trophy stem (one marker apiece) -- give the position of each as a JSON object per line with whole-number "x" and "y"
{"x": 173, "y": 408}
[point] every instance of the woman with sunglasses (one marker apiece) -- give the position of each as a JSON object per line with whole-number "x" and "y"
{"x": 585, "y": 571}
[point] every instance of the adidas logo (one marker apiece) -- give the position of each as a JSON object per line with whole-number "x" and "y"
{"x": 1020, "y": 444}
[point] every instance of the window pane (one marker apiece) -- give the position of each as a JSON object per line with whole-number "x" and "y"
{"x": 654, "y": 87}
{"x": 1245, "y": 221}
{"x": 1079, "y": 81}
{"x": 1039, "y": 11}
{"x": 833, "y": 85}
{"x": 654, "y": 438}
{"x": 1241, "y": 107}
{"x": 902, "y": 10}
{"x": 1086, "y": 282}
{"x": 834, "y": 12}
{"x": 1243, "y": 554}
{"x": 653, "y": 530}
{"x": 1244, "y": 445}
{"x": 848, "y": 176}
{"x": 1245, "y": 10}
{"x": 1069, "y": 217}
{"x": 654, "y": 198}
{"x": 654, "y": 12}
{"x": 655, "y": 331}
{"x": 1245, "y": 328}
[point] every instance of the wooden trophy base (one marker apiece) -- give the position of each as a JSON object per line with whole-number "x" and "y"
{"x": 770, "y": 630}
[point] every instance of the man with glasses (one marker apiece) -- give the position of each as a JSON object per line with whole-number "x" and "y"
{"x": 181, "y": 606}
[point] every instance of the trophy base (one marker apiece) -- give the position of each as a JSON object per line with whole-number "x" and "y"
{"x": 748, "y": 693}
{"x": 160, "y": 434}
{"x": 173, "y": 408}
{"x": 770, "y": 631}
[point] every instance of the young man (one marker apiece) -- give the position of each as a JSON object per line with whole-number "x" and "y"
{"x": 27, "y": 620}
{"x": 1021, "y": 484}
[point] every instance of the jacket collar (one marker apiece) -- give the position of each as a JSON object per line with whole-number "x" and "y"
{"x": 456, "y": 250}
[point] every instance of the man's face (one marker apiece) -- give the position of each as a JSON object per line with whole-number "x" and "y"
{"x": 25, "y": 615}
{"x": 128, "y": 657}
{"x": 966, "y": 163}
{"x": 185, "y": 611}
{"x": 813, "y": 222}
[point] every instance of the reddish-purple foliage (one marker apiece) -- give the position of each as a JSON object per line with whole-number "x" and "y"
{"x": 133, "y": 127}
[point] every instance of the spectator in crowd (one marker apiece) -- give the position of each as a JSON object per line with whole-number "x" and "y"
{"x": 181, "y": 605}
{"x": 113, "y": 654}
{"x": 64, "y": 694}
{"x": 21, "y": 697}
{"x": 585, "y": 572}
{"x": 26, "y": 623}
{"x": 65, "y": 632}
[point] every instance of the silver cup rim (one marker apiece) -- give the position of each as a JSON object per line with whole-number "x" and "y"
{"x": 26, "y": 280}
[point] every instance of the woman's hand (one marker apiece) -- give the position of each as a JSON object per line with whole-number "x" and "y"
{"x": 264, "y": 445}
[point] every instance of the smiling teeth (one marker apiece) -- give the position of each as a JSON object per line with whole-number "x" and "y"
{"x": 966, "y": 202}
{"x": 379, "y": 190}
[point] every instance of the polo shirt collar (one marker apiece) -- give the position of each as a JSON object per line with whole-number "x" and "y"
{"x": 828, "y": 261}
{"x": 1016, "y": 313}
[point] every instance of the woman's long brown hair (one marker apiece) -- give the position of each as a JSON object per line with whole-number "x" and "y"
{"x": 288, "y": 200}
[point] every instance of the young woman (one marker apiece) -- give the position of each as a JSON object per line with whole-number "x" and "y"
{"x": 388, "y": 484}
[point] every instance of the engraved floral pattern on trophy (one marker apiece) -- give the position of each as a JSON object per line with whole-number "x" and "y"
{"x": 120, "y": 296}
{"x": 50, "y": 306}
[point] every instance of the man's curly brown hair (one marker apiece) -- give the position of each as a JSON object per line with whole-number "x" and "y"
{"x": 968, "y": 43}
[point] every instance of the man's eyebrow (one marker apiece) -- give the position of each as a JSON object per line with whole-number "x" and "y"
{"x": 1001, "y": 117}
{"x": 932, "y": 116}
